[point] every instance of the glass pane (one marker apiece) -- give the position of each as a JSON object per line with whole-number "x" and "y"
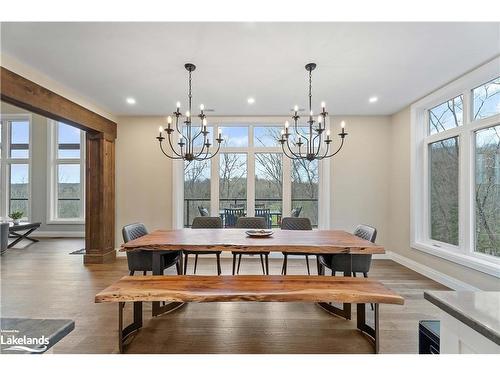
{"x": 234, "y": 136}
{"x": 19, "y": 139}
{"x": 199, "y": 140}
{"x": 487, "y": 197}
{"x": 305, "y": 182}
{"x": 446, "y": 116}
{"x": 69, "y": 191}
{"x": 232, "y": 181}
{"x": 19, "y": 188}
{"x": 266, "y": 136}
{"x": 269, "y": 185}
{"x": 196, "y": 189}
{"x": 443, "y": 159}
{"x": 68, "y": 140}
{"x": 487, "y": 99}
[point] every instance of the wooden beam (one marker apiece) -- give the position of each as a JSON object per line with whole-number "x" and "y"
{"x": 26, "y": 94}
{"x": 100, "y": 157}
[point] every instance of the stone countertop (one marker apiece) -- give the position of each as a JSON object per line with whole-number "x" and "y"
{"x": 478, "y": 310}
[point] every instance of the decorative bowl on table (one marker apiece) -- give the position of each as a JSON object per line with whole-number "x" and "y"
{"x": 259, "y": 232}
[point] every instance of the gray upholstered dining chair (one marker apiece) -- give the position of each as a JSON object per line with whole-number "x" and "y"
{"x": 295, "y": 223}
{"x": 142, "y": 260}
{"x": 252, "y": 223}
{"x": 204, "y": 222}
{"x": 360, "y": 263}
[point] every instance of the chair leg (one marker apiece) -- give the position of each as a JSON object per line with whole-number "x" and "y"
{"x": 234, "y": 263}
{"x": 239, "y": 263}
{"x": 354, "y": 274}
{"x": 195, "y": 262}
{"x": 219, "y": 271}
{"x": 186, "y": 256}
{"x": 262, "y": 263}
{"x": 365, "y": 274}
{"x": 144, "y": 273}
{"x": 131, "y": 273}
{"x": 267, "y": 263}
{"x": 178, "y": 266}
{"x": 307, "y": 263}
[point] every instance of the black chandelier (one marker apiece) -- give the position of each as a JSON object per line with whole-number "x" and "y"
{"x": 313, "y": 136}
{"x": 187, "y": 136}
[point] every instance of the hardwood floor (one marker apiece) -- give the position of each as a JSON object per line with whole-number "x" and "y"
{"x": 43, "y": 281}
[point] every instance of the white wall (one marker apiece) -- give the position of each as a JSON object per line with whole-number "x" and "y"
{"x": 143, "y": 176}
{"x": 39, "y": 204}
{"x": 399, "y": 211}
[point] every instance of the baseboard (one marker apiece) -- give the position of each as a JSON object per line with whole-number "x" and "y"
{"x": 431, "y": 273}
{"x": 56, "y": 234}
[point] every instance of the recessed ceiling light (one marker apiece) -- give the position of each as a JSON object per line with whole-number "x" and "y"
{"x": 373, "y": 99}
{"x": 130, "y": 100}
{"x": 250, "y": 100}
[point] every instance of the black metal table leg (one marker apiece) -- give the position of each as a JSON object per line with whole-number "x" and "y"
{"x": 19, "y": 237}
{"x": 157, "y": 308}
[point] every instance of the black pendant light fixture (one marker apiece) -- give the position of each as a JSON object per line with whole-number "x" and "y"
{"x": 308, "y": 142}
{"x": 187, "y": 135}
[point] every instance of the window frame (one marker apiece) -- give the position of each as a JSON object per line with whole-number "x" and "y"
{"x": 53, "y": 162}
{"x": 6, "y": 161}
{"x": 464, "y": 253}
{"x": 251, "y": 122}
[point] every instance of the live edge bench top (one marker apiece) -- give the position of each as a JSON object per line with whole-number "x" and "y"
{"x": 300, "y": 241}
{"x": 269, "y": 288}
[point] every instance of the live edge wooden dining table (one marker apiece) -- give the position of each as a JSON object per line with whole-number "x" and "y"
{"x": 311, "y": 242}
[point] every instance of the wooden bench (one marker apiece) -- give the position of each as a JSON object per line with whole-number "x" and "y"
{"x": 268, "y": 288}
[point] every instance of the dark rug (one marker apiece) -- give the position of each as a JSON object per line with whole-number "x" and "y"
{"x": 78, "y": 252}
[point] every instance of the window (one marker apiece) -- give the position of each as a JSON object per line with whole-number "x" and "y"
{"x": 66, "y": 165}
{"x": 196, "y": 189}
{"x": 305, "y": 183}
{"x": 487, "y": 194}
{"x": 232, "y": 181}
{"x": 486, "y": 99}
{"x": 249, "y": 172}
{"x": 443, "y": 169}
{"x": 15, "y": 165}
{"x": 455, "y": 209}
{"x": 269, "y": 184}
{"x": 446, "y": 115}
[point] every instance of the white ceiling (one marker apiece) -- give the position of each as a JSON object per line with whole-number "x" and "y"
{"x": 107, "y": 62}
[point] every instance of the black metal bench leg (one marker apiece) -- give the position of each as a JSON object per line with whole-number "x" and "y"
{"x": 239, "y": 263}
{"x": 307, "y": 264}
{"x": 124, "y": 333}
{"x": 262, "y": 264}
{"x": 267, "y": 263}
{"x": 234, "y": 263}
{"x": 19, "y": 237}
{"x": 195, "y": 263}
{"x": 285, "y": 261}
{"x": 373, "y": 333}
{"x": 219, "y": 271}
{"x": 186, "y": 256}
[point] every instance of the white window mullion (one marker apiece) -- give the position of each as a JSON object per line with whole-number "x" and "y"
{"x": 287, "y": 186}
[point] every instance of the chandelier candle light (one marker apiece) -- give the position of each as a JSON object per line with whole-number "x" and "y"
{"x": 187, "y": 136}
{"x": 315, "y": 147}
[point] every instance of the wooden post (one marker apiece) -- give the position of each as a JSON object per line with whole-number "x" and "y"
{"x": 100, "y": 199}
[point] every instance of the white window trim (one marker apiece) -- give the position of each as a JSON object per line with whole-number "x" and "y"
{"x": 419, "y": 211}
{"x": 178, "y": 172}
{"x": 7, "y": 161}
{"x": 52, "y": 164}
